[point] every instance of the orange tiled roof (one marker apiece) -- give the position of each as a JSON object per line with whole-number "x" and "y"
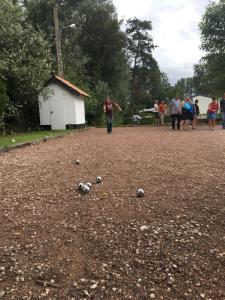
{"x": 67, "y": 83}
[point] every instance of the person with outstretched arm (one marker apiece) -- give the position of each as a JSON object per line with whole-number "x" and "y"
{"x": 108, "y": 107}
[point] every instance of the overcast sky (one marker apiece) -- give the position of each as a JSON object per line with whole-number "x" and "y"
{"x": 175, "y": 31}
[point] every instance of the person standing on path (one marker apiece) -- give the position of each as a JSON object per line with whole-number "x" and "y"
{"x": 108, "y": 110}
{"x": 162, "y": 112}
{"x": 187, "y": 113}
{"x": 197, "y": 113}
{"x": 212, "y": 113}
{"x": 175, "y": 111}
{"x": 156, "y": 112}
{"x": 222, "y": 110}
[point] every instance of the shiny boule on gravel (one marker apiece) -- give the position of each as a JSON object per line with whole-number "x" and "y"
{"x": 80, "y": 186}
{"x": 85, "y": 189}
{"x": 98, "y": 179}
{"x": 140, "y": 192}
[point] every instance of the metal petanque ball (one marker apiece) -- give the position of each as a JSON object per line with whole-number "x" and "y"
{"x": 140, "y": 192}
{"x": 98, "y": 179}
{"x": 80, "y": 186}
{"x": 77, "y": 161}
{"x": 89, "y": 184}
{"x": 86, "y": 189}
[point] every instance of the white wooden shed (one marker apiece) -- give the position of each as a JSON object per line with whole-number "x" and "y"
{"x": 64, "y": 105}
{"x": 203, "y": 103}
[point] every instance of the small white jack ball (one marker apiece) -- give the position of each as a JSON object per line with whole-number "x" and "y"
{"x": 89, "y": 184}
{"x": 13, "y": 141}
{"x": 77, "y": 162}
{"x": 140, "y": 192}
{"x": 98, "y": 179}
{"x": 80, "y": 186}
{"x": 85, "y": 189}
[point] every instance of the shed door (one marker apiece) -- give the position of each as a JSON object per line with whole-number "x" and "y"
{"x": 57, "y": 114}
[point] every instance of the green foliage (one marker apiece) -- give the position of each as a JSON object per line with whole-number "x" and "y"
{"x": 93, "y": 51}
{"x": 165, "y": 89}
{"x": 212, "y": 28}
{"x": 209, "y": 75}
{"x": 4, "y": 99}
{"x": 18, "y": 138}
{"x": 147, "y": 80}
{"x": 95, "y": 106}
{"x": 24, "y": 58}
{"x": 24, "y": 51}
{"x": 97, "y": 56}
{"x": 40, "y": 13}
{"x": 139, "y": 42}
{"x": 102, "y": 42}
{"x": 184, "y": 87}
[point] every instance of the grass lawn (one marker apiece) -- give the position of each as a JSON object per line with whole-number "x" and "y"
{"x": 23, "y": 137}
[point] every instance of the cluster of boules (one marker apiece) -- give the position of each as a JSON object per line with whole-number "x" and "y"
{"x": 84, "y": 188}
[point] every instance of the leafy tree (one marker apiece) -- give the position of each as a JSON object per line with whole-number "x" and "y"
{"x": 212, "y": 28}
{"x": 200, "y": 78}
{"x": 4, "y": 99}
{"x": 100, "y": 91}
{"x": 93, "y": 50}
{"x": 184, "y": 87}
{"x": 165, "y": 89}
{"x": 146, "y": 76}
{"x": 40, "y": 13}
{"x": 102, "y": 41}
{"x": 209, "y": 74}
{"x": 24, "y": 57}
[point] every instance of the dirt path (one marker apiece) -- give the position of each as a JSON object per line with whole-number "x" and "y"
{"x": 58, "y": 244}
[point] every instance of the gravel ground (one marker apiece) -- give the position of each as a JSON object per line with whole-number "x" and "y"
{"x": 56, "y": 243}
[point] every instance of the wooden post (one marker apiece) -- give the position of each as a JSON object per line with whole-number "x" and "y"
{"x": 58, "y": 43}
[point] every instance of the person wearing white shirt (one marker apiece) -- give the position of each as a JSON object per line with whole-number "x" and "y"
{"x": 156, "y": 112}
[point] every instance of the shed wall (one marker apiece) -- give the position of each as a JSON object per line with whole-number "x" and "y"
{"x": 61, "y": 108}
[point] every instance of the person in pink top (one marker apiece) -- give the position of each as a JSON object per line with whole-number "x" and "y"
{"x": 212, "y": 113}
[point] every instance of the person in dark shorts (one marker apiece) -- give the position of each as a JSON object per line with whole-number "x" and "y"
{"x": 156, "y": 112}
{"x": 187, "y": 109}
{"x": 197, "y": 113}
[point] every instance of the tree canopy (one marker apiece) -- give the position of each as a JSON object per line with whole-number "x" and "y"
{"x": 147, "y": 82}
{"x": 24, "y": 57}
{"x": 209, "y": 75}
{"x": 97, "y": 56}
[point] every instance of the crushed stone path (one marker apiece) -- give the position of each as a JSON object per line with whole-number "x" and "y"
{"x": 56, "y": 243}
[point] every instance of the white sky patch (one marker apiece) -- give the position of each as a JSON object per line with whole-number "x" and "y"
{"x": 175, "y": 31}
